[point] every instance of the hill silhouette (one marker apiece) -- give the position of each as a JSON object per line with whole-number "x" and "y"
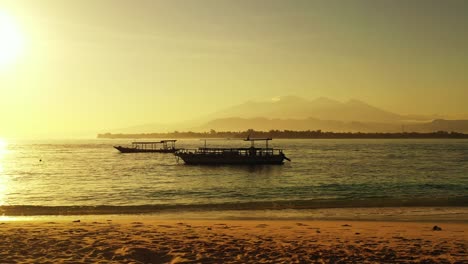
{"x": 265, "y": 124}
{"x": 296, "y": 113}
{"x": 320, "y": 108}
{"x": 318, "y": 134}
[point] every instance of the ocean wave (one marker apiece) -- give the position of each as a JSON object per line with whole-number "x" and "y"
{"x": 28, "y": 210}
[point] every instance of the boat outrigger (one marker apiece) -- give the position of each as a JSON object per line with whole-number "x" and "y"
{"x": 163, "y": 146}
{"x": 234, "y": 156}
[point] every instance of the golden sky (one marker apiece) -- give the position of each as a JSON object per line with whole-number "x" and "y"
{"x": 90, "y": 65}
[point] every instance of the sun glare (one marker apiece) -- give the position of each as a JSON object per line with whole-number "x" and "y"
{"x": 3, "y": 179}
{"x": 3, "y": 145}
{"x": 3, "y": 151}
{"x": 11, "y": 40}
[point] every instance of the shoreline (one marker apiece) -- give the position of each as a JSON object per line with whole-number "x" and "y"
{"x": 290, "y": 134}
{"x": 149, "y": 240}
{"x": 375, "y": 214}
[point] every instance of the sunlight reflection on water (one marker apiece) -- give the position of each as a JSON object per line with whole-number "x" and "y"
{"x": 3, "y": 178}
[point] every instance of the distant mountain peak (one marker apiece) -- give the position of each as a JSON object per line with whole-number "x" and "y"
{"x": 324, "y": 108}
{"x": 287, "y": 98}
{"x": 323, "y": 98}
{"x": 325, "y": 101}
{"x": 356, "y": 102}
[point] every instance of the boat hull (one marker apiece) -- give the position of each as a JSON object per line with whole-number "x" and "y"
{"x": 135, "y": 150}
{"x": 197, "y": 159}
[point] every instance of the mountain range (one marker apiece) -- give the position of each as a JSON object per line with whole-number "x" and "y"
{"x": 286, "y": 107}
{"x": 296, "y": 113}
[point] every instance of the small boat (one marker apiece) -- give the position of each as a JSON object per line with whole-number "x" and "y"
{"x": 163, "y": 146}
{"x": 233, "y": 156}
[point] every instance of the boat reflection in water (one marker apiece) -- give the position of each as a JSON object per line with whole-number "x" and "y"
{"x": 234, "y": 156}
{"x": 163, "y": 146}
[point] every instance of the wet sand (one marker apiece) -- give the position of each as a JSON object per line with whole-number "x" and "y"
{"x": 151, "y": 240}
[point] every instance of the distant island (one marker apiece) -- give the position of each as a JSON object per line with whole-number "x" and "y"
{"x": 286, "y": 134}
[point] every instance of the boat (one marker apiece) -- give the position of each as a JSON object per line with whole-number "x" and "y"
{"x": 163, "y": 146}
{"x": 233, "y": 156}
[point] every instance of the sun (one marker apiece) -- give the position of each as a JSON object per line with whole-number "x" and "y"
{"x": 11, "y": 40}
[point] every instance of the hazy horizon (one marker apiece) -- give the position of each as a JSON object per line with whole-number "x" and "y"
{"x": 73, "y": 66}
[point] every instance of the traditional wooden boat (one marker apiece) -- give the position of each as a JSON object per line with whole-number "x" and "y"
{"x": 163, "y": 146}
{"x": 234, "y": 156}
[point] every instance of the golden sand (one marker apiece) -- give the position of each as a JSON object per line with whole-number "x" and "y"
{"x": 219, "y": 241}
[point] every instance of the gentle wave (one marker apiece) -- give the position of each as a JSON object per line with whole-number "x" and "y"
{"x": 26, "y": 210}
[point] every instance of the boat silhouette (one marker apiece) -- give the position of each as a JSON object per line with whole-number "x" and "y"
{"x": 163, "y": 146}
{"x": 234, "y": 156}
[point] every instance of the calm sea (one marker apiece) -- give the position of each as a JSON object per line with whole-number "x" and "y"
{"x": 37, "y": 177}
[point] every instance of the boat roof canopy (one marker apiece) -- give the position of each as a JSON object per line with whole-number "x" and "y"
{"x": 154, "y": 142}
{"x": 257, "y": 139}
{"x": 244, "y": 139}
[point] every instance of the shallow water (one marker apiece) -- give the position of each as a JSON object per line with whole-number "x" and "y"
{"x": 323, "y": 174}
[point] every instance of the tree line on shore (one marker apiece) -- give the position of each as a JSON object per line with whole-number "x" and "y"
{"x": 287, "y": 134}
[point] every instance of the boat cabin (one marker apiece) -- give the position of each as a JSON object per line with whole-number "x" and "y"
{"x": 166, "y": 144}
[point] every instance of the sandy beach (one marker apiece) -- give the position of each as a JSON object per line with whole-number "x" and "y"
{"x": 150, "y": 240}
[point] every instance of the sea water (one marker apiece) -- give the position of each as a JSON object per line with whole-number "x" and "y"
{"x": 324, "y": 173}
